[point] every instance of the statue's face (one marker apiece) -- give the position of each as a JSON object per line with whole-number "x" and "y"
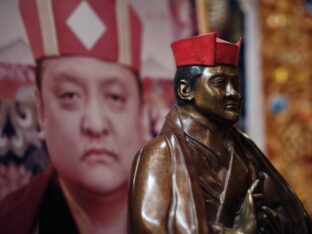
{"x": 217, "y": 95}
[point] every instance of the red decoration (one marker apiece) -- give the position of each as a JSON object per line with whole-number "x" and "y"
{"x": 206, "y": 50}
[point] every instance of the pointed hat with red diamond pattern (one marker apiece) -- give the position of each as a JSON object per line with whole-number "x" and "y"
{"x": 105, "y": 29}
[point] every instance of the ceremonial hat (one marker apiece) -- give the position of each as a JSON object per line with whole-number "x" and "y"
{"x": 206, "y": 50}
{"x": 105, "y": 29}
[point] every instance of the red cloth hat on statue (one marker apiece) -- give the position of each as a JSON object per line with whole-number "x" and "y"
{"x": 105, "y": 29}
{"x": 206, "y": 50}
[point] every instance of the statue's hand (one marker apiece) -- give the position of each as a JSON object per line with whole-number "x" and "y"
{"x": 246, "y": 221}
{"x": 249, "y": 221}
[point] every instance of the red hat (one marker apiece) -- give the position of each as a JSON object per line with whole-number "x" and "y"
{"x": 206, "y": 50}
{"x": 105, "y": 29}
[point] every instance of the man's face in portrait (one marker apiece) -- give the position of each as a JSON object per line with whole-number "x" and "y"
{"x": 90, "y": 113}
{"x": 217, "y": 94}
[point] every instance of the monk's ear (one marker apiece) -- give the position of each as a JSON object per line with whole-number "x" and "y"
{"x": 184, "y": 90}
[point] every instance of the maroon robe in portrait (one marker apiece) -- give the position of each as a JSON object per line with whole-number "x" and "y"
{"x": 38, "y": 207}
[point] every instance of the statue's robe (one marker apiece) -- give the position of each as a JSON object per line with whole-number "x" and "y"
{"x": 180, "y": 185}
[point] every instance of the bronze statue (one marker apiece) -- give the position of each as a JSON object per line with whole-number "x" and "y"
{"x": 201, "y": 174}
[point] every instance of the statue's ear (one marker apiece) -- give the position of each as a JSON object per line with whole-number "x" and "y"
{"x": 184, "y": 90}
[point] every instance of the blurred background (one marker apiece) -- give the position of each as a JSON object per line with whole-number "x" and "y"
{"x": 276, "y": 69}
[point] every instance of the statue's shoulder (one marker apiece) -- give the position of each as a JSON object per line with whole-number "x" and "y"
{"x": 242, "y": 134}
{"x": 154, "y": 154}
{"x": 246, "y": 140}
{"x": 157, "y": 148}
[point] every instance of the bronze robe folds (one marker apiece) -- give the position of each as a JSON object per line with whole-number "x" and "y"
{"x": 179, "y": 185}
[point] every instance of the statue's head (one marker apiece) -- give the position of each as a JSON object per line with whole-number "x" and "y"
{"x": 207, "y": 77}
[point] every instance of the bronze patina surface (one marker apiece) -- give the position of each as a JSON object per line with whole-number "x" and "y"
{"x": 202, "y": 175}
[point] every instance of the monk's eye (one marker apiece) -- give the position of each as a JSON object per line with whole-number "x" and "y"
{"x": 69, "y": 99}
{"x": 68, "y": 95}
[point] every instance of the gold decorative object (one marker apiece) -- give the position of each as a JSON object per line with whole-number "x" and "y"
{"x": 287, "y": 76}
